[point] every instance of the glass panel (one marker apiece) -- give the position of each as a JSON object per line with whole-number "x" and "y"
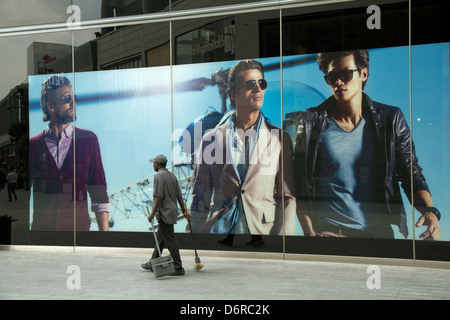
{"x": 200, "y": 4}
{"x": 235, "y": 177}
{"x": 347, "y": 167}
{"x": 14, "y": 215}
{"x": 430, "y": 127}
{"x": 29, "y": 61}
{"x": 211, "y": 42}
{"x": 430, "y": 92}
{"x": 24, "y": 13}
{"x": 100, "y": 9}
{"x": 122, "y": 83}
{"x": 132, "y": 47}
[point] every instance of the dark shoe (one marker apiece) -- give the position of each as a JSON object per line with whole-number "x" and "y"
{"x": 255, "y": 243}
{"x": 225, "y": 242}
{"x": 258, "y": 243}
{"x": 178, "y": 272}
{"x": 147, "y": 266}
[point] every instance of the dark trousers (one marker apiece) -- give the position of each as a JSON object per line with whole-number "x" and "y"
{"x": 230, "y": 237}
{"x": 12, "y": 191}
{"x": 166, "y": 238}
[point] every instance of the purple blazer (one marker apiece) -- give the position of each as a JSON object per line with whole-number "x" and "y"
{"x": 53, "y": 189}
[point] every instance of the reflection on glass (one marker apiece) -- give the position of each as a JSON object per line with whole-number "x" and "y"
{"x": 124, "y": 49}
{"x": 23, "y": 13}
{"x": 196, "y": 4}
{"x": 214, "y": 41}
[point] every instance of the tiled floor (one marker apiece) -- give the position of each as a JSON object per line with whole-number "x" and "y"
{"x": 52, "y": 273}
{"x": 46, "y": 273}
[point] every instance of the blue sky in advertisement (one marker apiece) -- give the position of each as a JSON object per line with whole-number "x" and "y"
{"x": 130, "y": 112}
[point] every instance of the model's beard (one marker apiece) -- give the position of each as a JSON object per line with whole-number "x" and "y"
{"x": 67, "y": 118}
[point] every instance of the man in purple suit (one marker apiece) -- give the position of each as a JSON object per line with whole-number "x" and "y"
{"x": 65, "y": 165}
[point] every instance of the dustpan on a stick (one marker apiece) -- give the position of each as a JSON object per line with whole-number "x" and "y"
{"x": 162, "y": 266}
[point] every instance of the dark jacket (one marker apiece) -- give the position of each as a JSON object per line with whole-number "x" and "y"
{"x": 394, "y": 150}
{"x": 53, "y": 189}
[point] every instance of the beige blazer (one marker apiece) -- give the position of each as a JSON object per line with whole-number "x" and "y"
{"x": 217, "y": 183}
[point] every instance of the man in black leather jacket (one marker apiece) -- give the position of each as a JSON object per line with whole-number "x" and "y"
{"x": 351, "y": 154}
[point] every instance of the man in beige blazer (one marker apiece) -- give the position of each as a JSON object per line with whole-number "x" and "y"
{"x": 240, "y": 185}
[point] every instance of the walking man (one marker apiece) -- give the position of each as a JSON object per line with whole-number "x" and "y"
{"x": 166, "y": 194}
{"x": 12, "y": 180}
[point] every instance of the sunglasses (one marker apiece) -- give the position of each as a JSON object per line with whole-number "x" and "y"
{"x": 251, "y": 84}
{"x": 68, "y": 98}
{"x": 344, "y": 75}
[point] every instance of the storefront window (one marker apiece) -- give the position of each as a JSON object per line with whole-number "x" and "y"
{"x": 144, "y": 83}
{"x": 32, "y": 60}
{"x": 235, "y": 174}
{"x": 126, "y": 103}
{"x": 429, "y": 88}
{"x": 343, "y": 187}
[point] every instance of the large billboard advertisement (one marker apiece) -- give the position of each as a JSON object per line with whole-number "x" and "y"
{"x": 257, "y": 163}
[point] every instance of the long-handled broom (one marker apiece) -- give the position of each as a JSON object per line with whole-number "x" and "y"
{"x": 198, "y": 264}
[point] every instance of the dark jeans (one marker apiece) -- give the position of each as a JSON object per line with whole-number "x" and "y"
{"x": 12, "y": 191}
{"x": 166, "y": 237}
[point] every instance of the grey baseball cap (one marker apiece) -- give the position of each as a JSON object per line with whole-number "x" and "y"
{"x": 160, "y": 158}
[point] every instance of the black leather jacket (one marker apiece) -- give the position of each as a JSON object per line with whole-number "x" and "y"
{"x": 394, "y": 152}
